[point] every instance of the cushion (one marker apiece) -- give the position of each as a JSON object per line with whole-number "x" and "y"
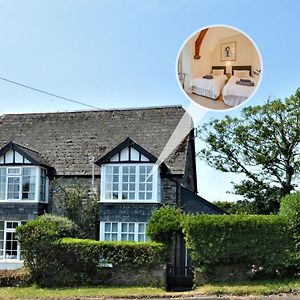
{"x": 241, "y": 73}
{"x": 218, "y": 72}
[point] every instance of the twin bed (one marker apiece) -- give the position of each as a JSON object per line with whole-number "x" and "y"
{"x": 233, "y": 93}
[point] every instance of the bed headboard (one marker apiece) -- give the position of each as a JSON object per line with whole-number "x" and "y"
{"x": 239, "y": 68}
{"x": 219, "y": 68}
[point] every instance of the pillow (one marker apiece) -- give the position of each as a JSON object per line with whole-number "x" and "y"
{"x": 241, "y": 73}
{"x": 217, "y": 72}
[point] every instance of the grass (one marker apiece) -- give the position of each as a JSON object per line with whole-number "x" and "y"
{"x": 267, "y": 287}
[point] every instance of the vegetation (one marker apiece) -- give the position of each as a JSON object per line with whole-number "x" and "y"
{"x": 163, "y": 223}
{"x": 79, "y": 260}
{"x": 266, "y": 287}
{"x": 78, "y": 203}
{"x": 36, "y": 238}
{"x": 237, "y": 208}
{"x": 263, "y": 241}
{"x": 263, "y": 145}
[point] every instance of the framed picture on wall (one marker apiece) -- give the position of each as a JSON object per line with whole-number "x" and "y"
{"x": 228, "y": 51}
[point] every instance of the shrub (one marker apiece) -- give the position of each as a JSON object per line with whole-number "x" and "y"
{"x": 263, "y": 241}
{"x": 81, "y": 261}
{"x": 36, "y": 238}
{"x": 163, "y": 223}
{"x": 14, "y": 278}
{"x": 78, "y": 203}
{"x": 290, "y": 209}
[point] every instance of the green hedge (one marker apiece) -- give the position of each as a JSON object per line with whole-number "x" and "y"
{"x": 163, "y": 223}
{"x": 81, "y": 261}
{"x": 263, "y": 241}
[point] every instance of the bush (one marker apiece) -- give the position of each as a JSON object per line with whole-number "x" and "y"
{"x": 290, "y": 209}
{"x": 36, "y": 238}
{"x": 163, "y": 223}
{"x": 81, "y": 261}
{"x": 78, "y": 203}
{"x": 14, "y": 278}
{"x": 262, "y": 241}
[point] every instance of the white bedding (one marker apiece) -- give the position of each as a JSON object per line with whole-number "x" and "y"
{"x": 211, "y": 88}
{"x": 234, "y": 94}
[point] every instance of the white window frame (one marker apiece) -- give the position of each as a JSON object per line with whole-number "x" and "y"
{"x": 37, "y": 191}
{"x": 119, "y": 232}
{"x": 155, "y": 184}
{"x": 12, "y": 230}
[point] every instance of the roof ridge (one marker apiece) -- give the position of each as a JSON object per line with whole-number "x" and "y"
{"x": 99, "y": 110}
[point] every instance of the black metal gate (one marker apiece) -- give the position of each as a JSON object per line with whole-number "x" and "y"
{"x": 180, "y": 278}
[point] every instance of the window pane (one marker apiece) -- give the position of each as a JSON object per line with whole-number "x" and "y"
{"x": 141, "y": 228}
{"x": 131, "y": 237}
{"x": 14, "y": 171}
{"x": 28, "y": 184}
{"x": 141, "y": 237}
{"x": 107, "y": 237}
{"x": 131, "y": 227}
{"x": 107, "y": 227}
{"x": 1, "y": 225}
{"x": 114, "y": 237}
{"x": 124, "y": 227}
{"x": 2, "y": 183}
{"x": 123, "y": 237}
{"x": 11, "y": 246}
{"x": 114, "y": 227}
{"x": 13, "y": 187}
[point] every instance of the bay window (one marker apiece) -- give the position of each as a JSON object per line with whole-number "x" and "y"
{"x": 129, "y": 182}
{"x": 23, "y": 183}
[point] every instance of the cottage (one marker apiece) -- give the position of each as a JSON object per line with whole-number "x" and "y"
{"x": 114, "y": 150}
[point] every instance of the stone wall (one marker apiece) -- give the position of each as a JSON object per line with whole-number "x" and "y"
{"x": 134, "y": 276}
{"x": 222, "y": 273}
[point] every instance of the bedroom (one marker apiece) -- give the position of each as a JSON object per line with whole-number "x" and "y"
{"x": 219, "y": 68}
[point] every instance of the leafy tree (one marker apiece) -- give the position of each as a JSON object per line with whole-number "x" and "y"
{"x": 240, "y": 207}
{"x": 78, "y": 203}
{"x": 263, "y": 145}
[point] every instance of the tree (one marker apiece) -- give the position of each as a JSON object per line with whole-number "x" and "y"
{"x": 78, "y": 203}
{"x": 240, "y": 207}
{"x": 263, "y": 145}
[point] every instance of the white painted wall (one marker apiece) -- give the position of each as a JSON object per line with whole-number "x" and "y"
{"x": 246, "y": 53}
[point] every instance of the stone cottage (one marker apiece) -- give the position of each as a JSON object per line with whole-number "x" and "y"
{"x": 114, "y": 150}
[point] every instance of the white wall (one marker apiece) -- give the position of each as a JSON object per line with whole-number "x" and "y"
{"x": 246, "y": 53}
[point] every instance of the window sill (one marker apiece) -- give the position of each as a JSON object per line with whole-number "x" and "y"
{"x": 10, "y": 260}
{"x": 130, "y": 201}
{"x": 22, "y": 201}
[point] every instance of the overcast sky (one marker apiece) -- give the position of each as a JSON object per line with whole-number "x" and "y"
{"x": 122, "y": 53}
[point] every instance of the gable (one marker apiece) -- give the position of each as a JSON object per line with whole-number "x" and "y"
{"x": 128, "y": 151}
{"x": 14, "y": 154}
{"x": 13, "y": 157}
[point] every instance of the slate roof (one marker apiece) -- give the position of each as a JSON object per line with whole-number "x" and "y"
{"x": 66, "y": 140}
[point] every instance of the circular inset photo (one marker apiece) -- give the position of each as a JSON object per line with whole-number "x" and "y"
{"x": 219, "y": 67}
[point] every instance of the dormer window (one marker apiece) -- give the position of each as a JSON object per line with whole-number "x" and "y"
{"x": 127, "y": 174}
{"x": 129, "y": 182}
{"x": 22, "y": 177}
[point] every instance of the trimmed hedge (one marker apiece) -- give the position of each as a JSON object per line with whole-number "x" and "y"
{"x": 81, "y": 261}
{"x": 262, "y": 241}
